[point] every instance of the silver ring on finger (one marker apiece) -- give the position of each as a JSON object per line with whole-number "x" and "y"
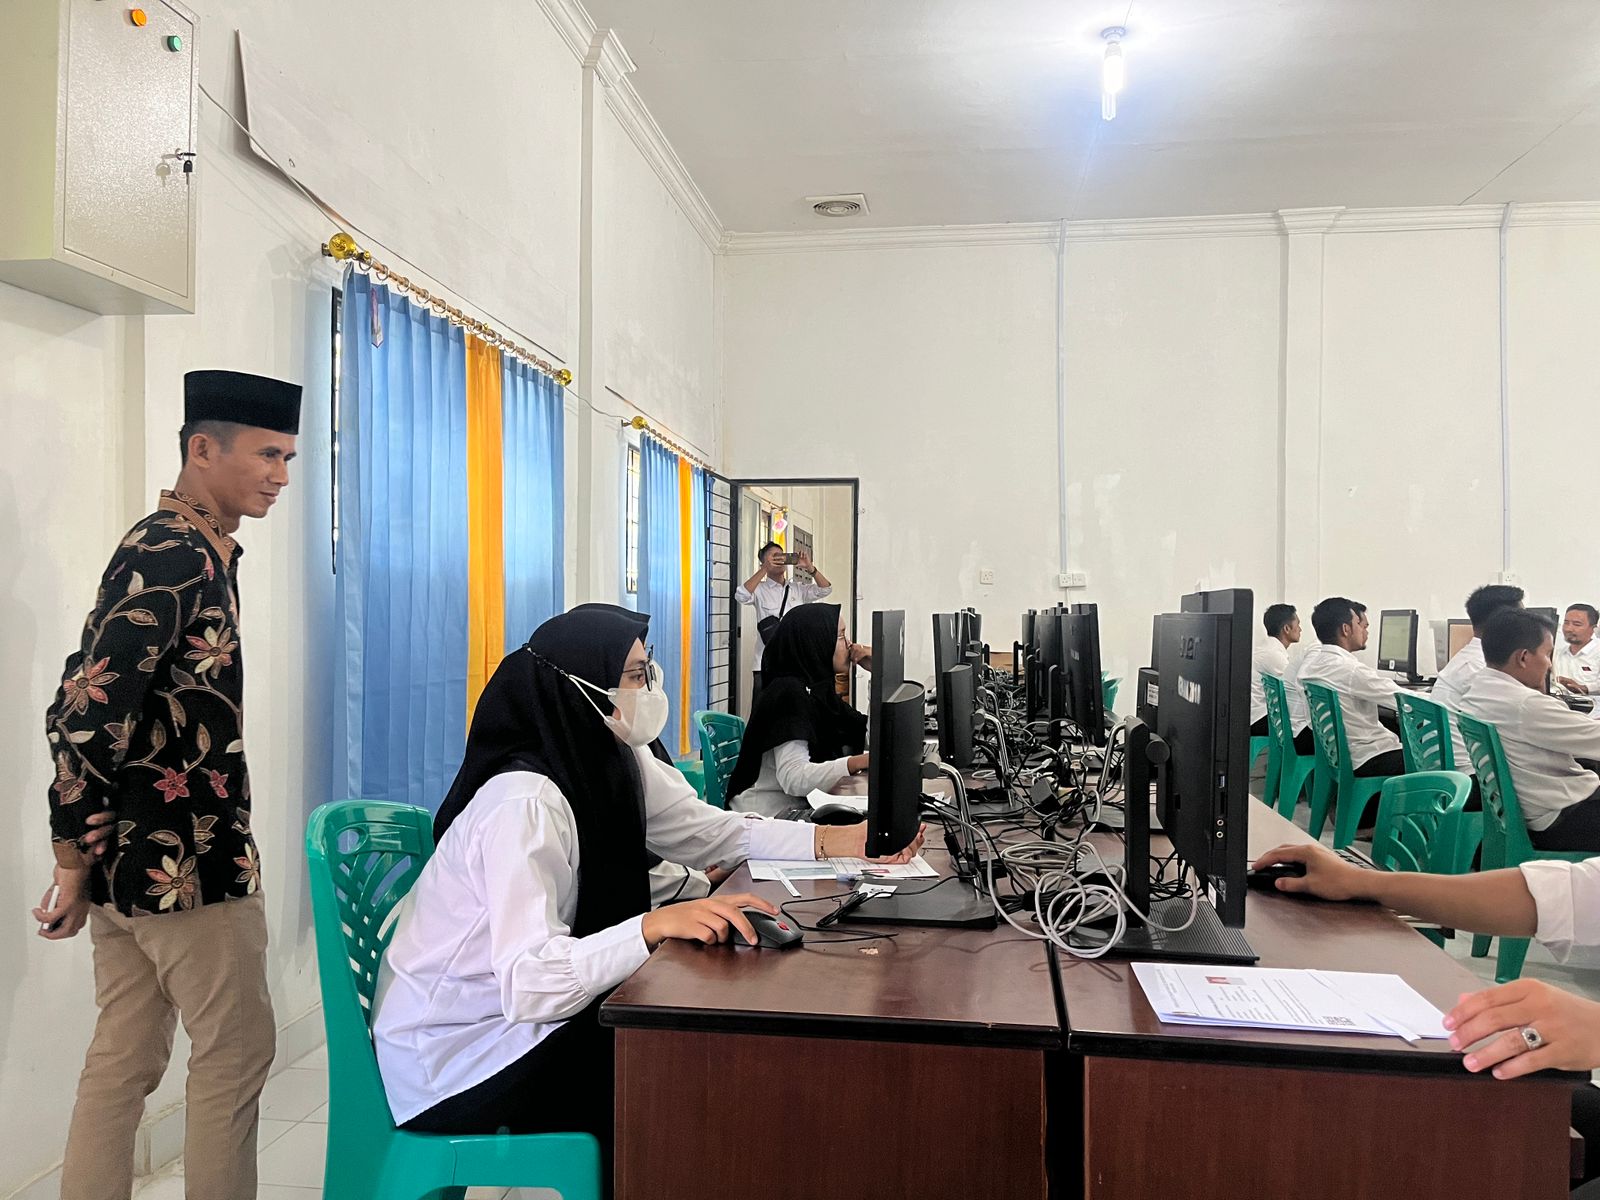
{"x": 1531, "y": 1037}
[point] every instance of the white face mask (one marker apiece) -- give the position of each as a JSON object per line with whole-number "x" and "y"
{"x": 641, "y": 713}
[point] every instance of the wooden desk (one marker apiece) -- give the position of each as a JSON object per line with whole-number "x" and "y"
{"x": 1203, "y": 1114}
{"x": 825, "y": 1070}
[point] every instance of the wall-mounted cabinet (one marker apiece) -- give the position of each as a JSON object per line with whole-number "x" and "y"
{"x": 97, "y": 208}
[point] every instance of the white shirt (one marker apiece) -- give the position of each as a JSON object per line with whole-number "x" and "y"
{"x": 768, "y": 600}
{"x": 483, "y": 965}
{"x": 1566, "y": 896}
{"x": 1273, "y": 659}
{"x": 1360, "y": 689}
{"x": 1452, "y": 685}
{"x": 1541, "y": 737}
{"x": 1583, "y": 666}
{"x": 787, "y": 774}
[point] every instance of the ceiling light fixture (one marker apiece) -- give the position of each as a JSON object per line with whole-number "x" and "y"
{"x": 1113, "y": 71}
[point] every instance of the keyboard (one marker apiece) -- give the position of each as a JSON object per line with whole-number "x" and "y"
{"x": 1356, "y": 859}
{"x": 799, "y": 813}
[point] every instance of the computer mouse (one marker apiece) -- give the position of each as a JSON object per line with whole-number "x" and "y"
{"x": 772, "y": 933}
{"x": 1266, "y": 878}
{"x": 837, "y": 814}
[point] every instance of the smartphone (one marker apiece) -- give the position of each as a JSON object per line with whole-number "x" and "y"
{"x": 791, "y": 559}
{"x": 55, "y": 898}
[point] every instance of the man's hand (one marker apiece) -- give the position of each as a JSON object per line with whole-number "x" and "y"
{"x": 802, "y": 560}
{"x": 1327, "y": 876}
{"x": 71, "y": 908}
{"x": 103, "y": 827}
{"x": 1572, "y": 685}
{"x": 1568, "y": 1026}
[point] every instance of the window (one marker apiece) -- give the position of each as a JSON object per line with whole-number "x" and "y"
{"x": 333, "y": 391}
{"x": 631, "y": 568}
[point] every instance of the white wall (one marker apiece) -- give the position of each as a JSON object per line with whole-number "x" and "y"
{"x": 1372, "y": 358}
{"x": 483, "y": 191}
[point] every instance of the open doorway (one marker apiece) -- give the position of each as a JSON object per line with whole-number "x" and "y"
{"x": 817, "y": 516}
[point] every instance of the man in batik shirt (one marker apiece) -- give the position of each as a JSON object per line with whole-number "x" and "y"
{"x": 150, "y": 810}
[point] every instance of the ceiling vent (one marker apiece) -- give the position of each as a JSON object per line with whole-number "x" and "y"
{"x": 853, "y": 205}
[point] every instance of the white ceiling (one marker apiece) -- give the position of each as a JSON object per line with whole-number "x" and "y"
{"x": 976, "y": 111}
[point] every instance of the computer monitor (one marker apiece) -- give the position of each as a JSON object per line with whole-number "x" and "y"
{"x": 946, "y": 642}
{"x": 894, "y": 769}
{"x": 1023, "y": 647}
{"x": 1085, "y": 705}
{"x": 1046, "y": 667}
{"x": 956, "y": 702}
{"x": 1205, "y": 720}
{"x": 1549, "y": 614}
{"x": 1397, "y": 641}
{"x": 1458, "y": 632}
{"x": 888, "y": 654}
{"x": 971, "y": 626}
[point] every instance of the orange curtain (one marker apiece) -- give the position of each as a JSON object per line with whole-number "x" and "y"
{"x": 685, "y": 532}
{"x": 486, "y": 584}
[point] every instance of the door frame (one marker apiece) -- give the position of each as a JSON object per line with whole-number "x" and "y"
{"x": 736, "y": 630}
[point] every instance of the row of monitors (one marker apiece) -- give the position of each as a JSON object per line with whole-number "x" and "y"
{"x": 1397, "y": 637}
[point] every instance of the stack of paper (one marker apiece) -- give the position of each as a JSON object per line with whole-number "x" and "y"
{"x": 819, "y": 799}
{"x": 1272, "y": 998}
{"x": 774, "y": 870}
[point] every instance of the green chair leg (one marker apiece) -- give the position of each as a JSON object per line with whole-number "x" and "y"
{"x": 1347, "y": 812}
{"x": 1508, "y": 967}
{"x": 1321, "y": 796}
{"x": 1292, "y": 781}
{"x": 1258, "y": 747}
{"x": 1480, "y": 945}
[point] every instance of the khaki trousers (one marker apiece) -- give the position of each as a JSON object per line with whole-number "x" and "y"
{"x": 207, "y": 966}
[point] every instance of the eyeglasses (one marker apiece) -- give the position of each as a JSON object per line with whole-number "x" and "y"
{"x": 646, "y": 675}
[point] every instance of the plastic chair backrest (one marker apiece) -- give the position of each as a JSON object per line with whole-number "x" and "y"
{"x": 1409, "y": 814}
{"x": 1327, "y": 723}
{"x": 1505, "y": 833}
{"x": 1277, "y": 697}
{"x": 364, "y": 855}
{"x": 721, "y": 735}
{"x": 1425, "y": 733}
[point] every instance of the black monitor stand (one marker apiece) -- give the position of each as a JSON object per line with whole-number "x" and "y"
{"x": 1206, "y": 939}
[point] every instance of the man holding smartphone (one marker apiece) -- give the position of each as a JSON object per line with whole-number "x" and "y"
{"x": 150, "y": 810}
{"x": 772, "y": 593}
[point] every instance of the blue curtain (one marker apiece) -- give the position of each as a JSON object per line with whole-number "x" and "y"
{"x": 533, "y": 420}
{"x": 400, "y": 592}
{"x": 699, "y": 662}
{"x": 661, "y": 571}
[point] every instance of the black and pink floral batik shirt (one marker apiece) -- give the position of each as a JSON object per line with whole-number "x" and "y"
{"x": 149, "y": 721}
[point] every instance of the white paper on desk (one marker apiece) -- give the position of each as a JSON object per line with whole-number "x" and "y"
{"x": 862, "y": 868}
{"x": 771, "y": 870}
{"x": 1271, "y": 998}
{"x": 818, "y": 799}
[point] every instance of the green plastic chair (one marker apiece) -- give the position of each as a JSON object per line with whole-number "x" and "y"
{"x": 1108, "y": 694}
{"x": 694, "y": 771}
{"x": 364, "y": 856}
{"x": 721, "y": 735}
{"x": 1427, "y": 745}
{"x": 1415, "y": 829}
{"x": 1334, "y": 779}
{"x": 1287, "y": 768}
{"x": 1505, "y": 833}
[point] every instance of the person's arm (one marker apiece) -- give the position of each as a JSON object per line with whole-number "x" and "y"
{"x": 1548, "y": 723}
{"x": 1493, "y": 902}
{"x": 745, "y": 593}
{"x": 137, "y": 619}
{"x": 799, "y": 776}
{"x": 1366, "y": 684}
{"x": 804, "y": 563}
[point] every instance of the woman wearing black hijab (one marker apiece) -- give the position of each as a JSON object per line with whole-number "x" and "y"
{"x": 801, "y": 737}
{"x": 535, "y": 903}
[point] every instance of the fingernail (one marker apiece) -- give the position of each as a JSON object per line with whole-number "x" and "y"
{"x": 1471, "y": 1062}
{"x": 1455, "y": 1042}
{"x": 1449, "y": 1022}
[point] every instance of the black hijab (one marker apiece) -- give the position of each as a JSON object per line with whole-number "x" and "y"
{"x": 642, "y": 620}
{"x": 531, "y": 717}
{"x": 798, "y": 701}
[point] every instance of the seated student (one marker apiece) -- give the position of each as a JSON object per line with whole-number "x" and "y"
{"x": 1283, "y": 631}
{"x": 802, "y": 737}
{"x": 1341, "y": 627}
{"x": 536, "y": 902}
{"x": 1543, "y": 738}
{"x": 1461, "y": 670}
{"x": 1527, "y": 1025}
{"x": 1577, "y": 664}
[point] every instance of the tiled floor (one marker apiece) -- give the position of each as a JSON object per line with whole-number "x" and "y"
{"x": 293, "y": 1142}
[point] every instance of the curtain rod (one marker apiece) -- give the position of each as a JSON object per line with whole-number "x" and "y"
{"x": 644, "y": 426}
{"x": 341, "y": 247}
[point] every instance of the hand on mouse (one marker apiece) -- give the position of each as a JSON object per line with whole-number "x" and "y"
{"x": 710, "y": 920}
{"x": 1328, "y": 877}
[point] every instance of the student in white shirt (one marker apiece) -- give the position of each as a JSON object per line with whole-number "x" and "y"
{"x": 772, "y": 594}
{"x": 802, "y": 736}
{"x": 1461, "y": 670}
{"x": 1543, "y": 739}
{"x": 1342, "y": 628}
{"x": 1528, "y": 1025}
{"x": 1283, "y": 631}
{"x": 536, "y": 901}
{"x": 1577, "y": 664}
